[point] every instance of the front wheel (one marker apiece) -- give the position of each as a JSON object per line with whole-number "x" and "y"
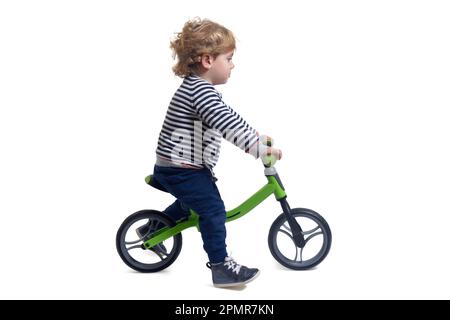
{"x": 317, "y": 236}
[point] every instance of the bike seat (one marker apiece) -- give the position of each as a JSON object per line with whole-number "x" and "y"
{"x": 155, "y": 184}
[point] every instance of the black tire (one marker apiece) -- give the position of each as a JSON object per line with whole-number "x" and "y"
{"x": 307, "y": 220}
{"x": 153, "y": 261}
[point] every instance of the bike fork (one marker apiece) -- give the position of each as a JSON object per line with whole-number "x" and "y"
{"x": 297, "y": 232}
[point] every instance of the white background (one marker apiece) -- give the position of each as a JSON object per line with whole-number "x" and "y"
{"x": 355, "y": 93}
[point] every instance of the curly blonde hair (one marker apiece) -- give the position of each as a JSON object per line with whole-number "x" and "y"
{"x": 199, "y": 37}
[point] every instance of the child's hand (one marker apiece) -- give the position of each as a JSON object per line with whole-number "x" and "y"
{"x": 270, "y": 156}
{"x": 276, "y": 152}
{"x": 266, "y": 140}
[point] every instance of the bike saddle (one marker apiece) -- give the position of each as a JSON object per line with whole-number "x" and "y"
{"x": 155, "y": 184}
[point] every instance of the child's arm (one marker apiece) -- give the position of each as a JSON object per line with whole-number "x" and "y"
{"x": 217, "y": 115}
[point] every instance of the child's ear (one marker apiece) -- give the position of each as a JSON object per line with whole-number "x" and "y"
{"x": 207, "y": 61}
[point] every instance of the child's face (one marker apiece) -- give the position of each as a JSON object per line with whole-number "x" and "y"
{"x": 221, "y": 66}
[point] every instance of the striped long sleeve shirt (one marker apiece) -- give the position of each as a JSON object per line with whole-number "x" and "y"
{"x": 195, "y": 123}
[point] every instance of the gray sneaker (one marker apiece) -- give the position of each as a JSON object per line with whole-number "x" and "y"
{"x": 231, "y": 274}
{"x": 144, "y": 232}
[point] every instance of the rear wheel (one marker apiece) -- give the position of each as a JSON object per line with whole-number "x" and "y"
{"x": 129, "y": 243}
{"x": 317, "y": 236}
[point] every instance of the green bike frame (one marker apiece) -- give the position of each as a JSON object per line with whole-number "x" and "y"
{"x": 273, "y": 186}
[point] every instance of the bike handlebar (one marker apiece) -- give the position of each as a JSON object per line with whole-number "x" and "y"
{"x": 268, "y": 159}
{"x": 266, "y": 140}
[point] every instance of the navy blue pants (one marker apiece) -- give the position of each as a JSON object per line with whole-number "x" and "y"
{"x": 196, "y": 189}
